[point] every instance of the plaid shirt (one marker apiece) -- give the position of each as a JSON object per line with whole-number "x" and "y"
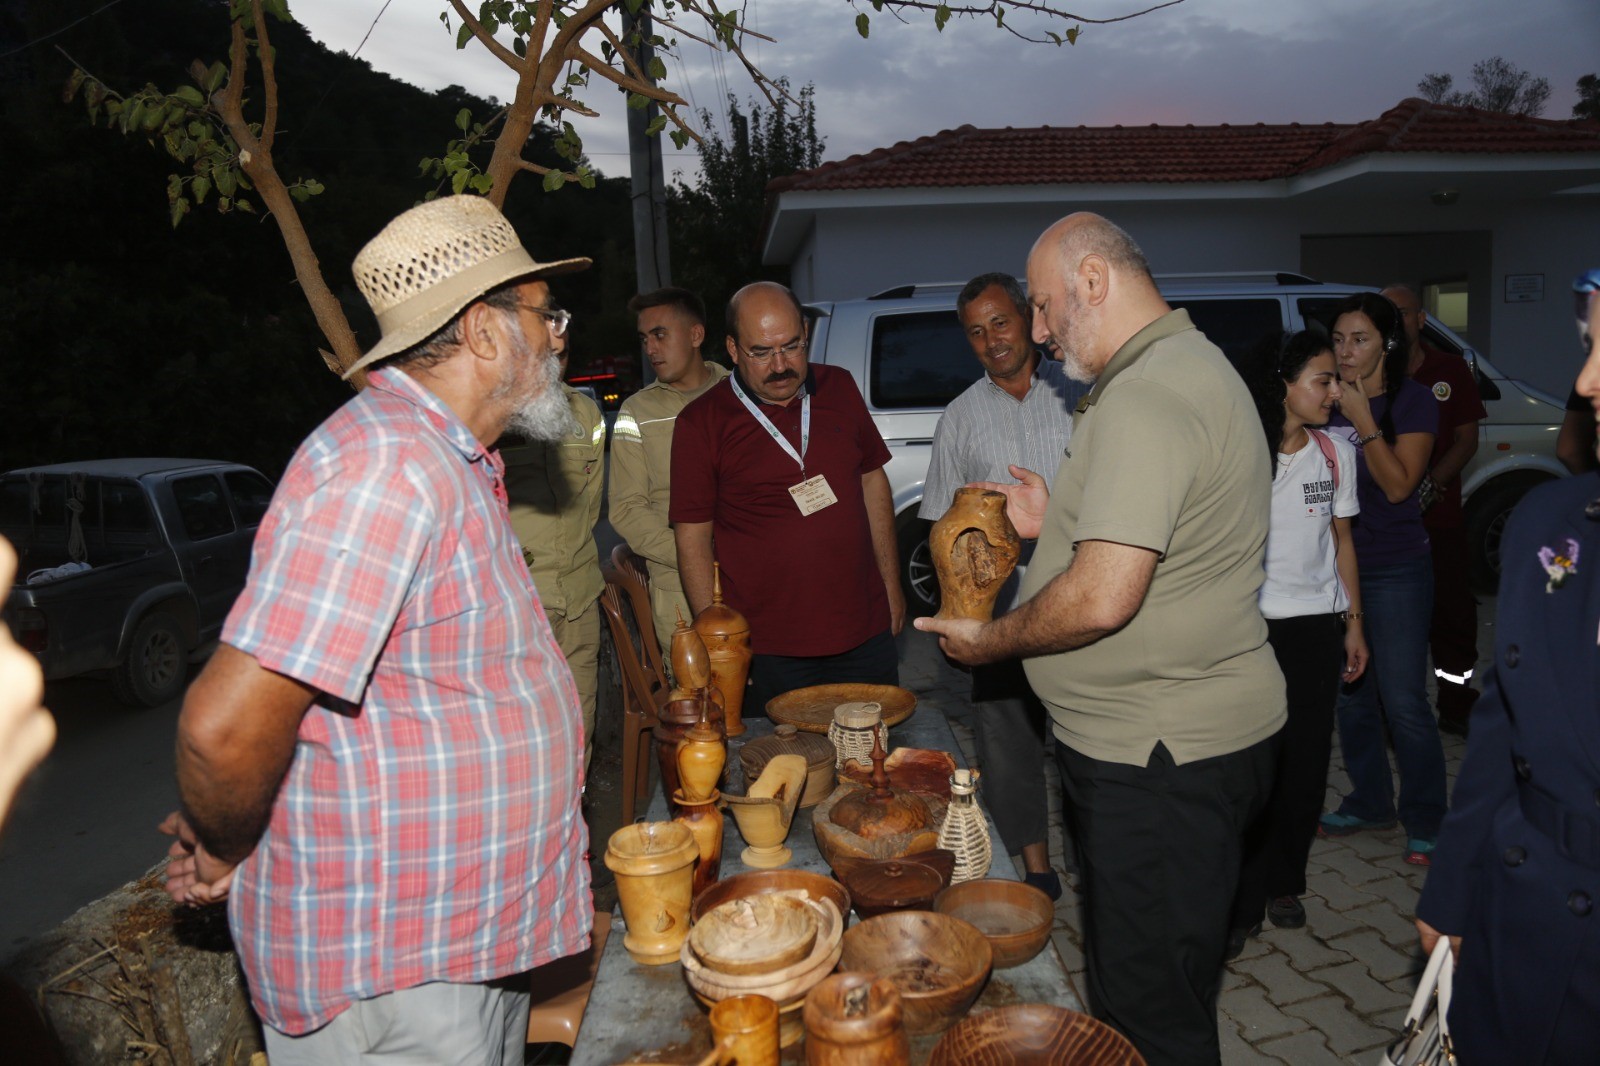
{"x": 428, "y": 828}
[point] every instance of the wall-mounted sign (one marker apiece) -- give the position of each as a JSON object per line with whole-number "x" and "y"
{"x": 1524, "y": 288}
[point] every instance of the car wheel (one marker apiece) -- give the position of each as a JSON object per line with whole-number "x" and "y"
{"x": 157, "y": 664}
{"x": 1487, "y": 513}
{"x": 917, "y": 575}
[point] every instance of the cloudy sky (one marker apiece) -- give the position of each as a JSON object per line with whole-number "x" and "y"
{"x": 1203, "y": 61}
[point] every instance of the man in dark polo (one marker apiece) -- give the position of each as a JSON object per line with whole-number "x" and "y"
{"x": 777, "y": 474}
{"x": 1141, "y": 632}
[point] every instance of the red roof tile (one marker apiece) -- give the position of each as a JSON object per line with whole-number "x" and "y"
{"x": 1106, "y": 154}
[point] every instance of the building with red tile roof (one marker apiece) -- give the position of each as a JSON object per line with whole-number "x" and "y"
{"x": 1477, "y": 202}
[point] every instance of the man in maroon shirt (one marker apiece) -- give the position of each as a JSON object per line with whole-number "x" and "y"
{"x": 777, "y": 473}
{"x": 1452, "y": 638}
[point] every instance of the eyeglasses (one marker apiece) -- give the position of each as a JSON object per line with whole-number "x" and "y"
{"x": 762, "y": 355}
{"x": 559, "y": 318}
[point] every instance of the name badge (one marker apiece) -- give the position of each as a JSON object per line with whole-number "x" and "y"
{"x": 812, "y": 495}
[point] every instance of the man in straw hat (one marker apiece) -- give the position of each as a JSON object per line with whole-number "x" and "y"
{"x": 380, "y": 766}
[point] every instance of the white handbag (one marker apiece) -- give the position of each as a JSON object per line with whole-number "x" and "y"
{"x": 1426, "y": 1040}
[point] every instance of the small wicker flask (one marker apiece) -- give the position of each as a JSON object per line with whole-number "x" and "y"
{"x": 965, "y": 831}
{"x": 851, "y": 731}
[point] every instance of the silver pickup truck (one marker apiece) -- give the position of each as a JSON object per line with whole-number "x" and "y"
{"x": 128, "y": 566}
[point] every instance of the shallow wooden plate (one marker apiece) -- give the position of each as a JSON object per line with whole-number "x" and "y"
{"x": 1034, "y": 1034}
{"x": 811, "y": 709}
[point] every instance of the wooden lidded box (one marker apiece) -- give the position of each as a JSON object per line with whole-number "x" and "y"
{"x": 816, "y": 749}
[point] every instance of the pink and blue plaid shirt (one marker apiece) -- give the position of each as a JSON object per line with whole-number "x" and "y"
{"x": 428, "y": 828}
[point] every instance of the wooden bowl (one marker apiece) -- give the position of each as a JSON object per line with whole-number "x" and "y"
{"x": 938, "y": 963}
{"x": 755, "y": 935}
{"x": 894, "y": 885}
{"x": 1032, "y": 1034}
{"x": 811, "y": 709}
{"x": 815, "y": 887}
{"x": 780, "y": 986}
{"x": 1013, "y": 916}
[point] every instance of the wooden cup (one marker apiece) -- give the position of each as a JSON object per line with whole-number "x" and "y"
{"x": 745, "y": 1030}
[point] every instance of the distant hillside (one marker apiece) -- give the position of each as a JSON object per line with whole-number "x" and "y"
{"x": 122, "y": 336}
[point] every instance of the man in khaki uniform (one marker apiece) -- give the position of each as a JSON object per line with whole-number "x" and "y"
{"x": 1141, "y": 632}
{"x": 554, "y": 495}
{"x": 672, "y": 327}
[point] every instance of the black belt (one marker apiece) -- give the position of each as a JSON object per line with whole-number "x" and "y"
{"x": 1576, "y": 835}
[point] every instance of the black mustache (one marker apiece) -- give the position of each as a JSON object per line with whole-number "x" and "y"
{"x": 782, "y": 375}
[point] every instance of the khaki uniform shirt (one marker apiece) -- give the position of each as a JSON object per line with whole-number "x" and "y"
{"x": 641, "y": 481}
{"x": 1166, "y": 454}
{"x": 554, "y": 491}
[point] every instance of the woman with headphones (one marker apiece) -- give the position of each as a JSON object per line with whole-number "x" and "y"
{"x": 1391, "y": 420}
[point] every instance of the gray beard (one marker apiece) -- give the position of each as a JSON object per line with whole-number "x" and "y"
{"x": 547, "y": 416}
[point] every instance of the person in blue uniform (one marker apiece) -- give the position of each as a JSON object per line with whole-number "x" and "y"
{"x": 1515, "y": 880}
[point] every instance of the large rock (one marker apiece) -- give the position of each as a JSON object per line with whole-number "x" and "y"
{"x": 130, "y": 978}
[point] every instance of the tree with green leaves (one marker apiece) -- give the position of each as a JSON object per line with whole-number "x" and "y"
{"x": 1588, "y": 105}
{"x": 1497, "y": 85}
{"x": 554, "y": 49}
{"x": 715, "y": 223}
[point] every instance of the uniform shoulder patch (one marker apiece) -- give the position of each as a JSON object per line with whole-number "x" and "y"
{"x": 1441, "y": 391}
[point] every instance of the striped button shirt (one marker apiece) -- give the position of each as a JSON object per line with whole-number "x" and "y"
{"x": 428, "y": 828}
{"x": 986, "y": 429}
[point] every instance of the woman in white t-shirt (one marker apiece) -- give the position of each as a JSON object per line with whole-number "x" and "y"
{"x": 1311, "y": 601}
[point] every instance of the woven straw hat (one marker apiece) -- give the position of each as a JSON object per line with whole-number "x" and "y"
{"x": 434, "y": 260}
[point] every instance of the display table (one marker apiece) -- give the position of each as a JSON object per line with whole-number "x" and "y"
{"x": 647, "y": 1014}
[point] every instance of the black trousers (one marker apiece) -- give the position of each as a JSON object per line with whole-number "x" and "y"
{"x": 876, "y": 661}
{"x": 1310, "y": 653}
{"x": 1159, "y": 850}
{"x": 1453, "y": 631}
{"x": 1008, "y": 728}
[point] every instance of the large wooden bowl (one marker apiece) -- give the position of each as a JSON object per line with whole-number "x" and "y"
{"x": 758, "y": 882}
{"x": 938, "y": 963}
{"x": 1013, "y": 916}
{"x": 780, "y": 986}
{"x": 1032, "y": 1034}
{"x": 756, "y": 935}
{"x": 811, "y": 709}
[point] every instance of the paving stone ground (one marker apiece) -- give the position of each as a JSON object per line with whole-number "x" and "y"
{"x": 1332, "y": 992}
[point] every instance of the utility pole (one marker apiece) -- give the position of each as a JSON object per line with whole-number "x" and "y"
{"x": 651, "y": 251}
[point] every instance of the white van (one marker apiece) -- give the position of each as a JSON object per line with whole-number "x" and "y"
{"x": 908, "y": 353}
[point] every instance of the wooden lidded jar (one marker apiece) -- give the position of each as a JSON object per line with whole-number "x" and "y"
{"x": 974, "y": 548}
{"x": 700, "y": 754}
{"x": 726, "y": 634}
{"x": 788, "y": 740}
{"x": 855, "y": 1019}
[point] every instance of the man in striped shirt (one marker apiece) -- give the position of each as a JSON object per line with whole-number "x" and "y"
{"x": 380, "y": 767}
{"x": 1019, "y": 412}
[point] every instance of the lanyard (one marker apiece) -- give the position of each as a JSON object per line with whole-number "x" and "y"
{"x": 783, "y": 442}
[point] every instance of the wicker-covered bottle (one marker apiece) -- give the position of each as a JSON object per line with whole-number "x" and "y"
{"x": 965, "y": 831}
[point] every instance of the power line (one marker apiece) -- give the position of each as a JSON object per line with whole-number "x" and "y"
{"x": 306, "y": 122}
{"x": 58, "y": 33}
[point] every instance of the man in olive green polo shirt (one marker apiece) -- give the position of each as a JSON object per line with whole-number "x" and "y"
{"x": 553, "y": 494}
{"x": 1142, "y": 633}
{"x": 672, "y": 327}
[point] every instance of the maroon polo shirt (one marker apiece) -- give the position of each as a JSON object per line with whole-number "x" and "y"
{"x": 1449, "y": 379}
{"x": 809, "y": 584}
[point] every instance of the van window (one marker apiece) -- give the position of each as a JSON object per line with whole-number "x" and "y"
{"x": 919, "y": 359}
{"x": 1234, "y": 325}
{"x": 251, "y": 495}
{"x": 202, "y": 506}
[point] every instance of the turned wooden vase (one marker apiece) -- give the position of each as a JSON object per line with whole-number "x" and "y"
{"x": 974, "y": 549}
{"x": 726, "y": 634}
{"x": 654, "y": 864}
{"x": 674, "y": 719}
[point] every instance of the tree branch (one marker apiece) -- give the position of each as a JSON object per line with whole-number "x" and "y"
{"x": 635, "y": 84}
{"x": 269, "y": 78}
{"x": 496, "y": 49}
